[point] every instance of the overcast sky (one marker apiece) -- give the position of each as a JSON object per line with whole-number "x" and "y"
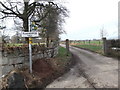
{"x": 87, "y": 17}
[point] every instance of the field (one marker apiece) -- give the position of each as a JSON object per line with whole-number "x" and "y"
{"x": 95, "y": 45}
{"x": 87, "y": 42}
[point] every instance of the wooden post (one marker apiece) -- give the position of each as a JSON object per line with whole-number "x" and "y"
{"x": 67, "y": 46}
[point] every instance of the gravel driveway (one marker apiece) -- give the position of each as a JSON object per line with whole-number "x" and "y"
{"x": 92, "y": 70}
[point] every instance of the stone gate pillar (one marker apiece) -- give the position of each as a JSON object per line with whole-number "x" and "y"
{"x": 67, "y": 46}
{"x": 105, "y": 46}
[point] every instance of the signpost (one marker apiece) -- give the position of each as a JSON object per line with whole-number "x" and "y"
{"x": 30, "y": 35}
{"x": 32, "y": 27}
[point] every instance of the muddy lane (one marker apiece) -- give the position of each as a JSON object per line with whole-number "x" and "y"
{"x": 92, "y": 70}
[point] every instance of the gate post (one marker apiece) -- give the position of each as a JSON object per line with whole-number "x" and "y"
{"x": 105, "y": 47}
{"x": 67, "y": 46}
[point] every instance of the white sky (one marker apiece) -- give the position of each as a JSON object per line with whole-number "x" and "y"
{"x": 87, "y": 17}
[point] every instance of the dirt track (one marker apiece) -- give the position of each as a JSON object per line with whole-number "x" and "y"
{"x": 91, "y": 71}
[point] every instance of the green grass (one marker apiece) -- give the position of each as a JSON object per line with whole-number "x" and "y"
{"x": 62, "y": 52}
{"x": 91, "y": 47}
{"x": 62, "y": 56}
{"x": 96, "y": 42}
{"x": 92, "y": 42}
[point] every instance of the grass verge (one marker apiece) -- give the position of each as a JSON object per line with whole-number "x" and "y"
{"x": 60, "y": 65}
{"x": 62, "y": 60}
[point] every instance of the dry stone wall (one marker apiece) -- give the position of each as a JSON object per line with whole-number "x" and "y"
{"x": 16, "y": 57}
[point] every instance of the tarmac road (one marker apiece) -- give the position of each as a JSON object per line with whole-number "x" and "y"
{"x": 92, "y": 70}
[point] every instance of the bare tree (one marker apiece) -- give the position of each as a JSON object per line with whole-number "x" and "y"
{"x": 51, "y": 26}
{"x": 23, "y": 10}
{"x": 103, "y": 32}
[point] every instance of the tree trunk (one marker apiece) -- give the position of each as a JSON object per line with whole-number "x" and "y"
{"x": 26, "y": 28}
{"x": 25, "y": 20}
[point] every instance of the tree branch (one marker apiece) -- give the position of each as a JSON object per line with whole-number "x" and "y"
{"x": 42, "y": 17}
{"x": 12, "y": 12}
{"x": 6, "y": 12}
{"x": 31, "y": 9}
{"x": 7, "y": 16}
{"x": 17, "y": 9}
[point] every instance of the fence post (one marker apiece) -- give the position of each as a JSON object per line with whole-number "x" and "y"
{"x": 67, "y": 46}
{"x": 105, "y": 47}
